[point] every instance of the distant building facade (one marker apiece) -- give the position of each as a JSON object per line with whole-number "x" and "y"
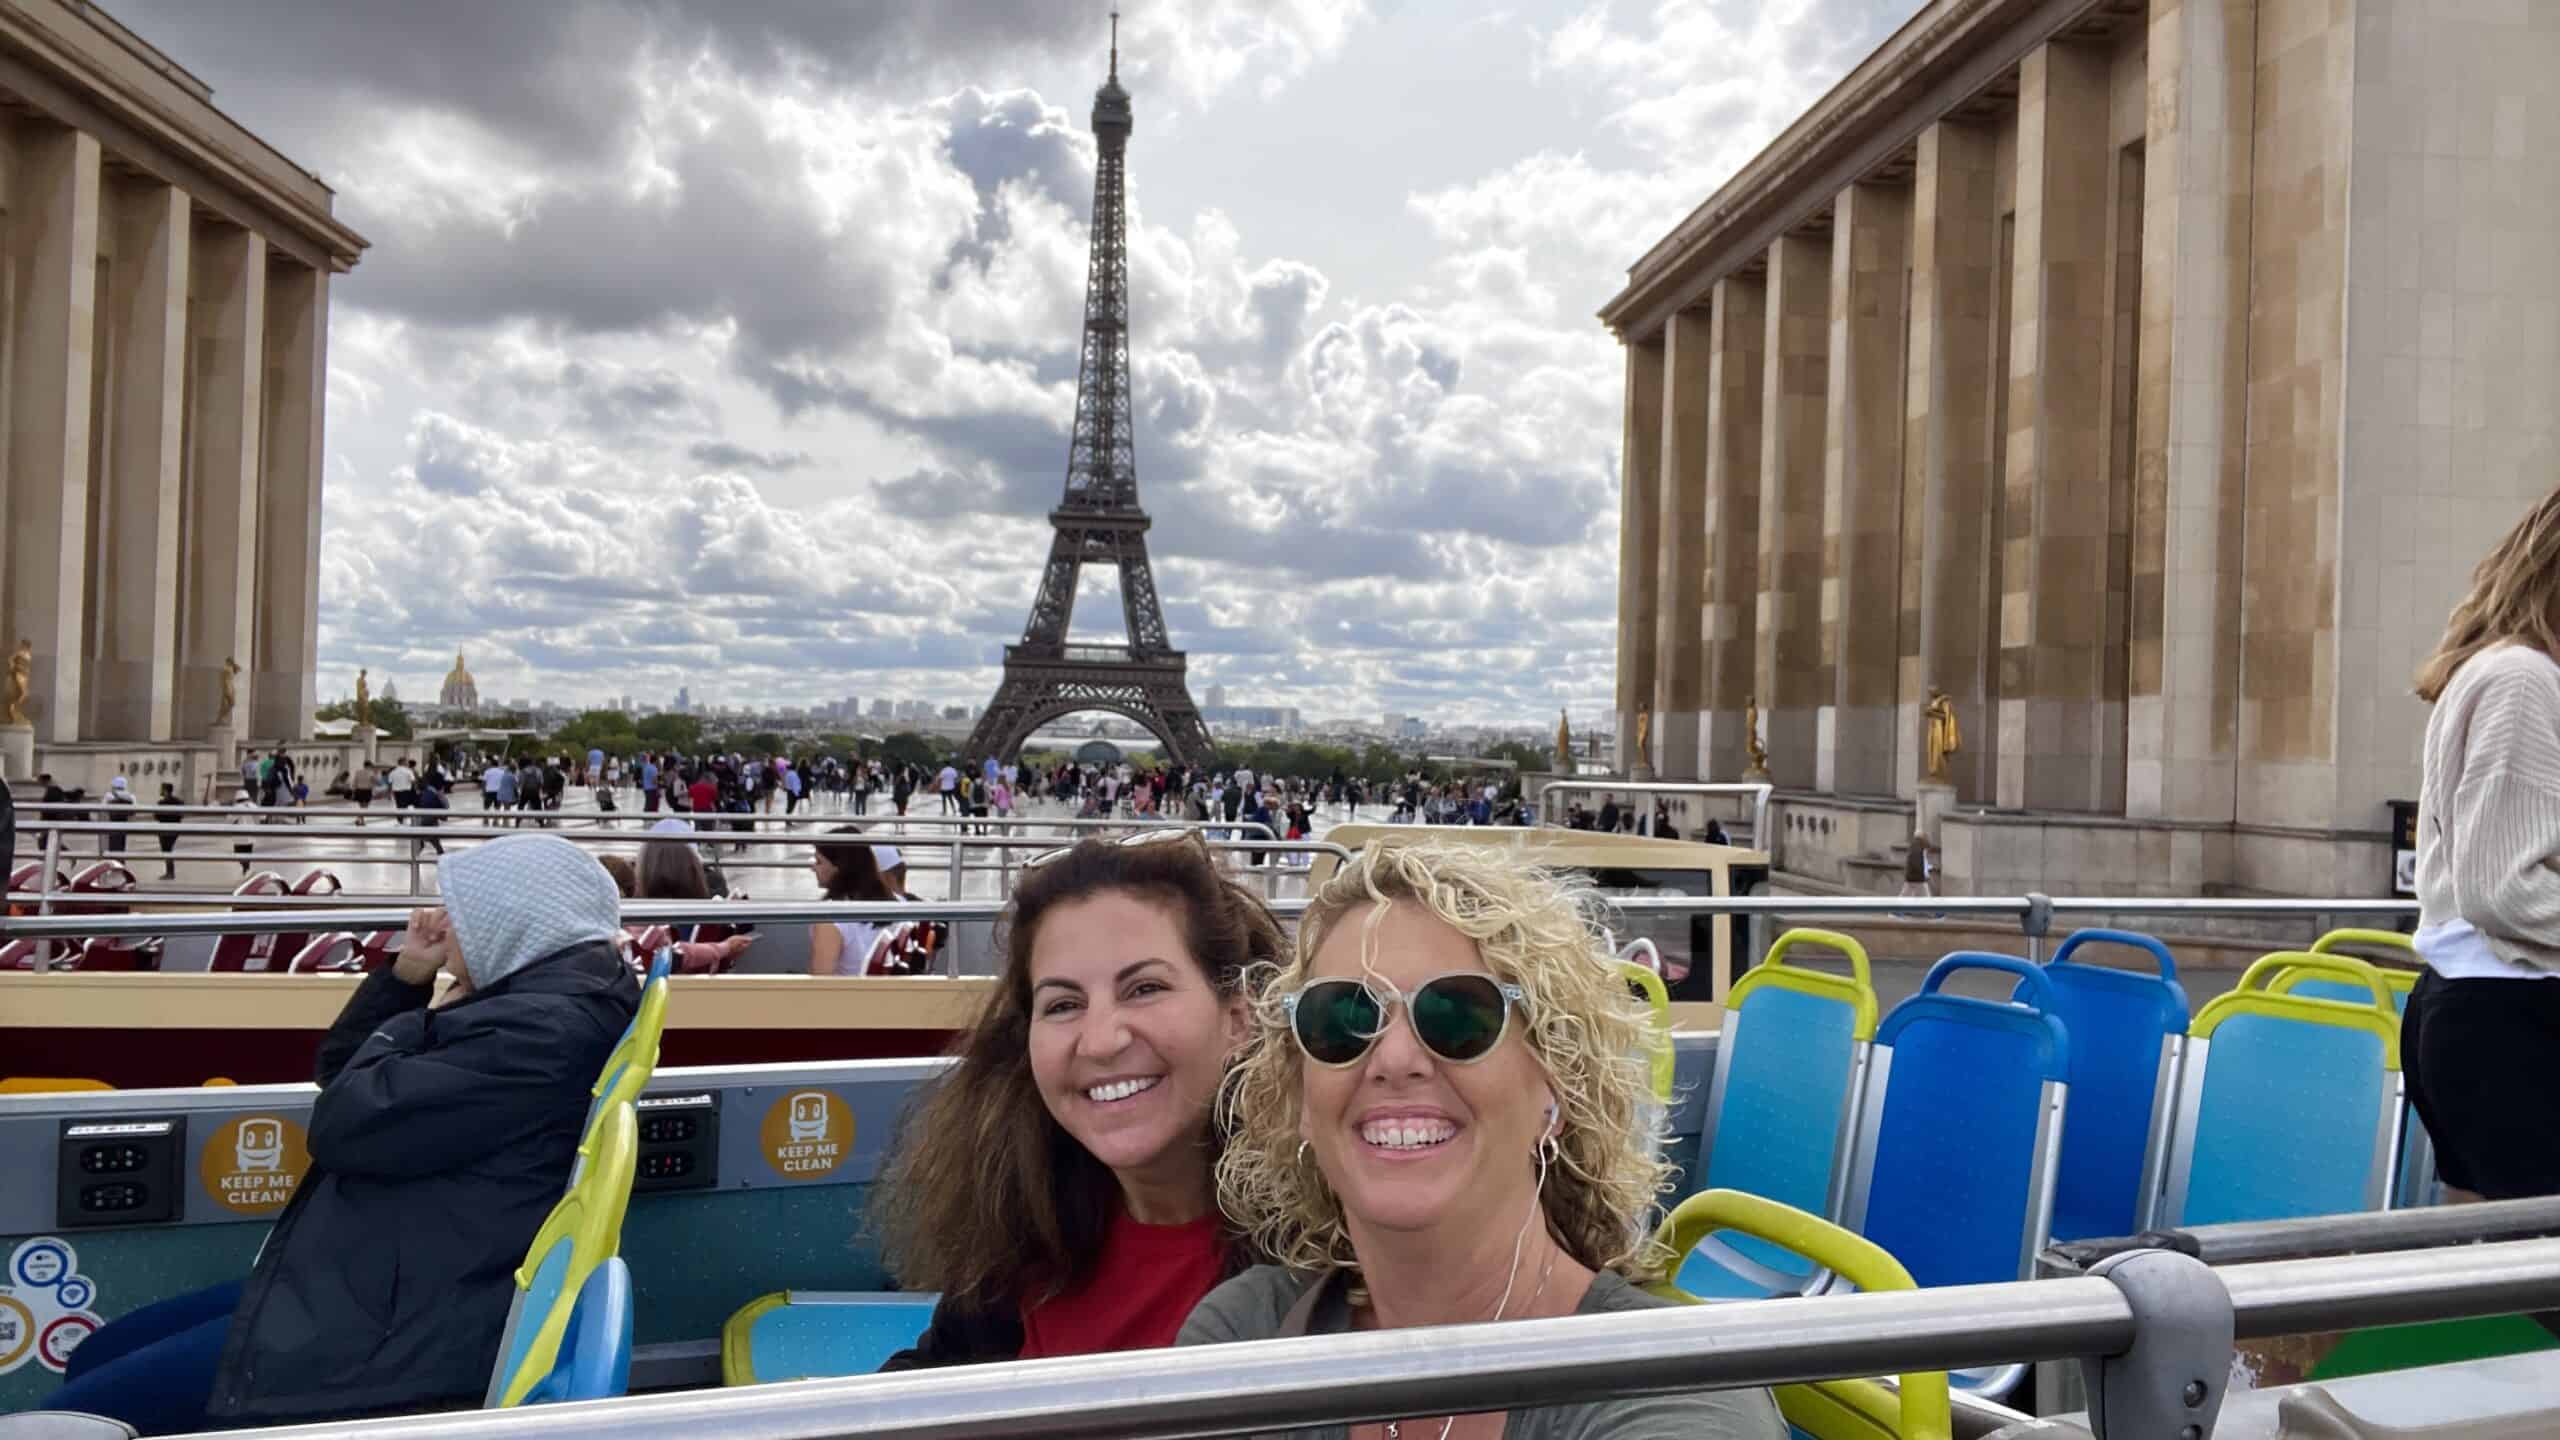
{"x": 2147, "y": 375}
{"x": 164, "y": 349}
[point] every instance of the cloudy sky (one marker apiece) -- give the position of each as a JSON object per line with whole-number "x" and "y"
{"x": 731, "y": 344}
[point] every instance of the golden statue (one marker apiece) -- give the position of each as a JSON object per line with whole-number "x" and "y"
{"x": 364, "y": 700}
{"x": 1942, "y": 737}
{"x": 1564, "y": 744}
{"x": 230, "y": 689}
{"x": 1644, "y": 728}
{"x": 22, "y": 666}
{"x": 1751, "y": 745}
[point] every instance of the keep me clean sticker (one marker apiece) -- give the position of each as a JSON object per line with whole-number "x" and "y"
{"x": 44, "y": 1305}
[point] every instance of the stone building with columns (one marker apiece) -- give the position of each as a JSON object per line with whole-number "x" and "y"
{"x": 164, "y": 321}
{"x": 2148, "y": 375}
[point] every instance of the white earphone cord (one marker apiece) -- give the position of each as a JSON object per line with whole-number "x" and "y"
{"x": 1537, "y": 1207}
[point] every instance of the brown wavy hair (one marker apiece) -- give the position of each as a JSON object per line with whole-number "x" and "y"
{"x": 986, "y": 1197}
{"x": 2515, "y": 595}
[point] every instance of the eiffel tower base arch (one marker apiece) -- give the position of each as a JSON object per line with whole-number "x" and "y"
{"x": 1039, "y": 688}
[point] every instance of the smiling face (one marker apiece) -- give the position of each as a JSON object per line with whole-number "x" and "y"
{"x": 1410, "y": 1141}
{"x": 1128, "y": 1038}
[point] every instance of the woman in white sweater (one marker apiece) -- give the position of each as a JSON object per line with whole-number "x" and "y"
{"x": 2482, "y": 1035}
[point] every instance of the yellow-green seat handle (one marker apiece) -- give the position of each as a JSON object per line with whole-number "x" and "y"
{"x": 1925, "y": 1408}
{"x": 1658, "y": 1047}
{"x": 2291, "y": 967}
{"x": 2330, "y": 943}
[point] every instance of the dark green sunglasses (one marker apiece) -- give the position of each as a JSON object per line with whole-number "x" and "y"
{"x": 1459, "y": 1017}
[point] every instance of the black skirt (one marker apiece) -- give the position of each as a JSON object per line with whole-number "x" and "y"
{"x": 2482, "y": 1060}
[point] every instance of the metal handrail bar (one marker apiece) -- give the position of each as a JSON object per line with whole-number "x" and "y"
{"x": 988, "y": 909}
{"x": 634, "y": 912}
{"x": 606, "y": 820}
{"x": 1758, "y": 790}
{"x": 474, "y": 824}
{"x": 1186, "y": 1394}
{"x": 2244, "y": 1241}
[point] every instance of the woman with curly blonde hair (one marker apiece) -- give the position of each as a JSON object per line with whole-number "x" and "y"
{"x": 1442, "y": 1117}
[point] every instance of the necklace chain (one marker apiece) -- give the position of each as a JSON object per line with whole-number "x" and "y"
{"x": 1395, "y": 1429}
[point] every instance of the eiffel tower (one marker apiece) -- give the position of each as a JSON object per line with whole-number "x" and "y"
{"x": 1099, "y": 522}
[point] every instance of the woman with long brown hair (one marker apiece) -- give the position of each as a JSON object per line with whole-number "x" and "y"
{"x": 845, "y": 869}
{"x": 1055, "y": 1184}
{"x": 2483, "y": 1028}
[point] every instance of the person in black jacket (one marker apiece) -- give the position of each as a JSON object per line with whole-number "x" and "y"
{"x": 442, "y": 1135}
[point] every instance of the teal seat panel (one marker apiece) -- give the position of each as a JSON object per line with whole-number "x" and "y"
{"x": 2352, "y": 994}
{"x": 595, "y": 1351}
{"x": 540, "y": 1295}
{"x": 2285, "y": 1122}
{"x": 1778, "y": 1115}
{"x": 1709, "y": 1274}
{"x": 804, "y": 1340}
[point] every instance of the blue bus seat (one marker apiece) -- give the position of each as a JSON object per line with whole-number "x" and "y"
{"x": 1962, "y": 1134}
{"x": 2127, "y": 1030}
{"x": 582, "y": 1232}
{"x": 2418, "y": 1182}
{"x": 808, "y": 1334}
{"x": 2288, "y": 1105}
{"x": 595, "y": 1351}
{"x": 1781, "y": 1109}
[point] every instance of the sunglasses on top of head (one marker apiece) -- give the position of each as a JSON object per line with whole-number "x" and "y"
{"x": 1159, "y": 835}
{"x": 1458, "y": 1017}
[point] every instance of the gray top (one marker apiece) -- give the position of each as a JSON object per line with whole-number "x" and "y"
{"x": 1253, "y": 1305}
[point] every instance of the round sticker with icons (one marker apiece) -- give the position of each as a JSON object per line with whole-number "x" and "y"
{"x": 806, "y": 1134}
{"x": 44, "y": 1306}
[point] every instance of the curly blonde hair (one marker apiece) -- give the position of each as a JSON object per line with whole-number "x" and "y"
{"x": 1533, "y": 928}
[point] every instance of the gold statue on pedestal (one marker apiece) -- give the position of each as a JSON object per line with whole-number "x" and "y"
{"x": 1751, "y": 745}
{"x": 22, "y": 667}
{"x": 230, "y": 689}
{"x": 1644, "y": 731}
{"x": 1564, "y": 744}
{"x": 364, "y": 700}
{"x": 1942, "y": 737}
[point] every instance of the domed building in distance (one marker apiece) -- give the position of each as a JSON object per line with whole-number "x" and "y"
{"x": 460, "y": 691}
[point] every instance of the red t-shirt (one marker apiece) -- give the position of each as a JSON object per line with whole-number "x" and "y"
{"x": 1139, "y": 1294}
{"x": 706, "y": 795}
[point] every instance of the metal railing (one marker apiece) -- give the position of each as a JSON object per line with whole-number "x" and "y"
{"x": 1757, "y": 792}
{"x": 1189, "y": 1394}
{"x": 278, "y": 823}
{"x": 2240, "y": 1242}
{"x": 2033, "y": 912}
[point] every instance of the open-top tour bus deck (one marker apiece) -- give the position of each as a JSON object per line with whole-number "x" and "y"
{"x": 1958, "y": 1136}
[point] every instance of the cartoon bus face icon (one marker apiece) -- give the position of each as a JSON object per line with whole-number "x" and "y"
{"x": 808, "y": 1117}
{"x": 261, "y": 1146}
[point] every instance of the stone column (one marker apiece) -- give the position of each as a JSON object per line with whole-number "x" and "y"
{"x": 1793, "y": 680}
{"x": 2190, "y": 448}
{"x": 1639, "y": 502}
{"x": 1680, "y": 558}
{"x": 135, "y": 592}
{"x": 288, "y": 593}
{"x": 1735, "y": 382}
{"x": 228, "y": 323}
{"x": 1946, "y": 455}
{"x": 1862, "y": 491}
{"x": 52, "y": 229}
{"x": 2057, "y": 511}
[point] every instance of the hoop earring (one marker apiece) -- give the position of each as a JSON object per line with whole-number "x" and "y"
{"x": 1302, "y": 1152}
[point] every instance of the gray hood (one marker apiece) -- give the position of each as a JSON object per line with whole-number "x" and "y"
{"x": 520, "y": 899}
